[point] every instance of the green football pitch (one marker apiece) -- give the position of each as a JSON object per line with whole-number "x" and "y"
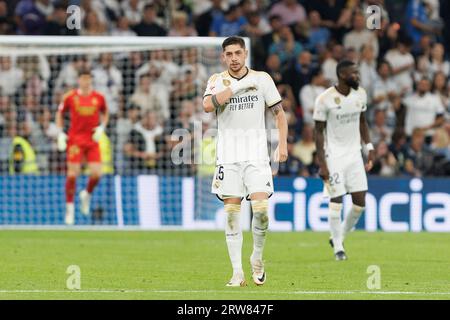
{"x": 195, "y": 265}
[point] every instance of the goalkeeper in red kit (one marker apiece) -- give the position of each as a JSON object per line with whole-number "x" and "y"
{"x": 88, "y": 120}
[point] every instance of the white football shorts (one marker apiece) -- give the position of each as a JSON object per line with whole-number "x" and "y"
{"x": 347, "y": 175}
{"x": 239, "y": 180}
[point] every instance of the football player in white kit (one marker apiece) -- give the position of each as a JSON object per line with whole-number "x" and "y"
{"x": 239, "y": 96}
{"x": 340, "y": 121}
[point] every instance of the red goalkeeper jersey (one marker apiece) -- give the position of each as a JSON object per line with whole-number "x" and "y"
{"x": 84, "y": 114}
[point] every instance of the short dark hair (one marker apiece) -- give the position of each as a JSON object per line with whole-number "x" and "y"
{"x": 342, "y": 65}
{"x": 233, "y": 40}
{"x": 84, "y": 71}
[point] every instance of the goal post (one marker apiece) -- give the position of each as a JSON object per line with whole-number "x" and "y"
{"x": 153, "y": 86}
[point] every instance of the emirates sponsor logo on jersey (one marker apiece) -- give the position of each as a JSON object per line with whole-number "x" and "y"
{"x": 242, "y": 102}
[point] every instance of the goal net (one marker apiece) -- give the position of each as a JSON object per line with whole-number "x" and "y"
{"x": 157, "y": 153}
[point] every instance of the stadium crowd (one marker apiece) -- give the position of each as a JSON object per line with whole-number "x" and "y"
{"x": 404, "y": 67}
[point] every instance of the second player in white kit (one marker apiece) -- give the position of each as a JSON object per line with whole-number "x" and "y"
{"x": 240, "y": 97}
{"x": 339, "y": 113}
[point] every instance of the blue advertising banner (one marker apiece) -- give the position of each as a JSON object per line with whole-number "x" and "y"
{"x": 155, "y": 202}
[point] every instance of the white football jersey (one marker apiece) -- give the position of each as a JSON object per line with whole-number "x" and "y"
{"x": 342, "y": 114}
{"x": 241, "y": 122}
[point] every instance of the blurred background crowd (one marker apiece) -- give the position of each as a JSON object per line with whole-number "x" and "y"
{"x": 404, "y": 67}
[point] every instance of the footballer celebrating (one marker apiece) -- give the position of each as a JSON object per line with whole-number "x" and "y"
{"x": 340, "y": 121}
{"x": 239, "y": 96}
{"x": 88, "y": 120}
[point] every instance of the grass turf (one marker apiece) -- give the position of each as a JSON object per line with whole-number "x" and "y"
{"x": 195, "y": 265}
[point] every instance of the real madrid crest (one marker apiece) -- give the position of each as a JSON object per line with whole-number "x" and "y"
{"x": 226, "y": 82}
{"x": 337, "y": 100}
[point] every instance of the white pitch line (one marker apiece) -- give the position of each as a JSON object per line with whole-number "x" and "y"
{"x": 232, "y": 291}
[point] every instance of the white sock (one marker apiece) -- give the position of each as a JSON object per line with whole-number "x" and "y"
{"x": 233, "y": 235}
{"x": 260, "y": 223}
{"x": 335, "y": 225}
{"x": 70, "y": 208}
{"x": 351, "y": 219}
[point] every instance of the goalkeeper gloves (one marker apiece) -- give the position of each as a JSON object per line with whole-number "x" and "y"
{"x": 62, "y": 141}
{"x": 241, "y": 85}
{"x": 98, "y": 131}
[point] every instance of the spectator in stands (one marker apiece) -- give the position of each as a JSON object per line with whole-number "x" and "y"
{"x": 335, "y": 15}
{"x": 43, "y": 138}
{"x": 273, "y": 68}
{"x": 312, "y": 170}
{"x": 438, "y": 62}
{"x": 204, "y": 22}
{"x": 385, "y": 164}
{"x": 11, "y": 77}
{"x": 36, "y": 74}
{"x": 108, "y": 81}
{"x": 68, "y": 76}
{"x": 441, "y": 89}
{"x": 418, "y": 157}
{"x": 418, "y": 22}
{"x": 132, "y": 10}
{"x": 387, "y": 39}
{"x": 57, "y": 23}
{"x": 318, "y": 35}
{"x": 367, "y": 70}
{"x": 147, "y": 97}
{"x": 379, "y": 131}
{"x": 231, "y": 23}
{"x": 309, "y": 93}
{"x": 180, "y": 26}
{"x": 31, "y": 16}
{"x": 6, "y": 21}
{"x": 402, "y": 63}
{"x": 122, "y": 28}
{"x": 360, "y": 35}
{"x": 424, "y": 110}
{"x": 385, "y": 93}
{"x": 441, "y": 142}
{"x": 300, "y": 73}
{"x": 290, "y": 12}
{"x": 255, "y": 29}
{"x": 273, "y": 36}
{"x": 128, "y": 67}
{"x": 305, "y": 147}
{"x": 293, "y": 166}
{"x": 148, "y": 26}
{"x": 140, "y": 150}
{"x": 331, "y": 61}
{"x": 190, "y": 61}
{"x": 123, "y": 127}
{"x": 92, "y": 26}
{"x": 287, "y": 48}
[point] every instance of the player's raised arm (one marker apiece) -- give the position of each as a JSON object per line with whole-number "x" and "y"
{"x": 281, "y": 152}
{"x": 212, "y": 101}
{"x": 319, "y": 137}
{"x": 365, "y": 136}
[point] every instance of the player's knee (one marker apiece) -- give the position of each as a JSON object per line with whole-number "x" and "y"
{"x": 232, "y": 215}
{"x": 358, "y": 210}
{"x": 72, "y": 174}
{"x": 335, "y": 210}
{"x": 260, "y": 215}
{"x": 96, "y": 175}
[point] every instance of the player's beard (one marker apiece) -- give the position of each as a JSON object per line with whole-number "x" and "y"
{"x": 237, "y": 68}
{"x": 352, "y": 83}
